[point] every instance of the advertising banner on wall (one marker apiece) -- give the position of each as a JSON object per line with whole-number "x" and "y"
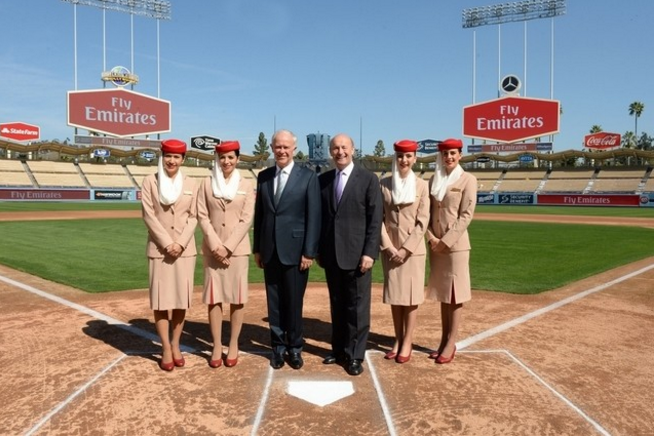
{"x": 40, "y": 195}
{"x": 113, "y": 195}
{"x": 515, "y": 199}
{"x": 589, "y": 199}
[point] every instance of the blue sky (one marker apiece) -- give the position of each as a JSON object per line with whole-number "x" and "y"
{"x": 234, "y": 68}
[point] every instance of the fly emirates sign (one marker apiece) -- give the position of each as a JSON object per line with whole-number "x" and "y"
{"x": 511, "y": 119}
{"x": 118, "y": 112}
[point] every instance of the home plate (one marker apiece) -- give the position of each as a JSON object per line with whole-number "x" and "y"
{"x": 320, "y": 393}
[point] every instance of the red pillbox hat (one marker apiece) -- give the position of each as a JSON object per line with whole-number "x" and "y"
{"x": 405, "y": 146}
{"x": 173, "y": 146}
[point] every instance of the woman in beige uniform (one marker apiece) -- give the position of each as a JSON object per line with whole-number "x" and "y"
{"x": 168, "y": 202}
{"x": 226, "y": 203}
{"x": 406, "y": 213}
{"x": 453, "y": 196}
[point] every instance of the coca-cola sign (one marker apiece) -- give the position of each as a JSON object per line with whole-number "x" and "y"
{"x": 118, "y": 112}
{"x": 602, "y": 140}
{"x": 511, "y": 119}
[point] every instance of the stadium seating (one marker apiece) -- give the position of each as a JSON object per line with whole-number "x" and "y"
{"x": 563, "y": 180}
{"x": 106, "y": 176}
{"x": 617, "y": 180}
{"x": 12, "y": 174}
{"x": 521, "y": 180}
{"x": 56, "y": 174}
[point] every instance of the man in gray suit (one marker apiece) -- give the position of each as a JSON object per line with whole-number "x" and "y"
{"x": 287, "y": 228}
{"x": 350, "y": 242}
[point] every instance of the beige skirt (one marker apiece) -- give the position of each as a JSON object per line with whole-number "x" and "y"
{"x": 171, "y": 283}
{"x": 404, "y": 284}
{"x": 226, "y": 284}
{"x": 449, "y": 271}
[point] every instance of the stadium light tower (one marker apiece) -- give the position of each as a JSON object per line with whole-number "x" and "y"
{"x": 511, "y": 12}
{"x": 157, "y": 9}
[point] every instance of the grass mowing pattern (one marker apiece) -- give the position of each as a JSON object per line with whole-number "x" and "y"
{"x": 109, "y": 254}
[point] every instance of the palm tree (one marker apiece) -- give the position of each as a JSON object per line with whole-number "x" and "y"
{"x": 636, "y": 108}
{"x": 595, "y": 129}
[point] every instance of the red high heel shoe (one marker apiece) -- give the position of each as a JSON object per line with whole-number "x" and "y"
{"x": 402, "y": 360}
{"x": 214, "y": 364}
{"x": 434, "y": 354}
{"x": 166, "y": 366}
{"x": 390, "y": 355}
{"x": 231, "y": 363}
{"x": 179, "y": 363}
{"x": 445, "y": 360}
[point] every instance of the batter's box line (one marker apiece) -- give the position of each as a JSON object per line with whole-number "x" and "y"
{"x": 543, "y": 382}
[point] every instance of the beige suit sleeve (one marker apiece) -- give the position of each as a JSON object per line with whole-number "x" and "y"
{"x": 192, "y": 221}
{"x": 385, "y": 240}
{"x": 241, "y": 229}
{"x": 465, "y": 212}
{"x": 429, "y": 235}
{"x": 212, "y": 240}
{"x": 149, "y": 195}
{"x": 417, "y": 235}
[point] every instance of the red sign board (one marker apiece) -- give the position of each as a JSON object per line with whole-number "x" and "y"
{"x": 589, "y": 199}
{"x": 118, "y": 112}
{"x": 19, "y": 131}
{"x": 602, "y": 140}
{"x": 511, "y": 119}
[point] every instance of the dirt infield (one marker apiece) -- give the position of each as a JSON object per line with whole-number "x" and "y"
{"x": 573, "y": 361}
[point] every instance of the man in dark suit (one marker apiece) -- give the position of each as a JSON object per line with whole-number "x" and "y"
{"x": 351, "y": 203}
{"x": 287, "y": 228}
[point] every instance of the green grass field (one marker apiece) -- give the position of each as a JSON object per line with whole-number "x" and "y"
{"x": 109, "y": 254}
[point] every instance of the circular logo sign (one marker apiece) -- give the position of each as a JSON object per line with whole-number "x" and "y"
{"x": 510, "y": 84}
{"x": 120, "y": 76}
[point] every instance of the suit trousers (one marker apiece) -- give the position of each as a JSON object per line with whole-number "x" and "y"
{"x": 350, "y": 307}
{"x": 285, "y": 292}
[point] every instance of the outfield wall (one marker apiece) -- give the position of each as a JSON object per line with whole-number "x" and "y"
{"x": 558, "y": 199}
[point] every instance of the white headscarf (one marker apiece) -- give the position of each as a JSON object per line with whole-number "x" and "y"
{"x": 403, "y": 190}
{"x": 221, "y": 188}
{"x": 442, "y": 179}
{"x": 169, "y": 188}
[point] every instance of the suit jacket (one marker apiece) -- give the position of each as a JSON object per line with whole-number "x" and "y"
{"x": 405, "y": 225}
{"x": 169, "y": 224}
{"x": 292, "y": 228}
{"x": 450, "y": 218}
{"x": 226, "y": 223}
{"x": 352, "y": 228}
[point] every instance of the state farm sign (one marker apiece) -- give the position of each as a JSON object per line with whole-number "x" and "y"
{"x": 118, "y": 112}
{"x": 511, "y": 119}
{"x": 19, "y": 131}
{"x": 602, "y": 140}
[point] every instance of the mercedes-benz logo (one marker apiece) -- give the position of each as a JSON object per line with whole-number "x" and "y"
{"x": 510, "y": 84}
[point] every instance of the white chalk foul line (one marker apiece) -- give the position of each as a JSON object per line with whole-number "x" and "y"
{"x": 70, "y": 398}
{"x": 524, "y": 318}
{"x": 383, "y": 401}
{"x": 85, "y": 310}
{"x": 541, "y": 381}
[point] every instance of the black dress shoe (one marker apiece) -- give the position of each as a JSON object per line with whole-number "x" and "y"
{"x": 295, "y": 360}
{"x": 355, "y": 367}
{"x": 334, "y": 359}
{"x": 277, "y": 361}
{"x": 330, "y": 359}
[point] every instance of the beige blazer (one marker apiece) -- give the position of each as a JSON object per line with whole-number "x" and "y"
{"x": 226, "y": 223}
{"x": 450, "y": 218}
{"x": 405, "y": 225}
{"x": 169, "y": 224}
